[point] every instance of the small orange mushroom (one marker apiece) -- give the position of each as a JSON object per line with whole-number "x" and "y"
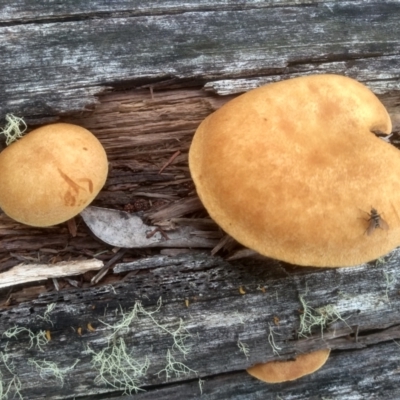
{"x": 51, "y": 174}
{"x": 282, "y": 371}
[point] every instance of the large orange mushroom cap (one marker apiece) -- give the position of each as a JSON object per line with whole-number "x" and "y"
{"x": 283, "y": 371}
{"x": 292, "y": 170}
{"x": 51, "y": 174}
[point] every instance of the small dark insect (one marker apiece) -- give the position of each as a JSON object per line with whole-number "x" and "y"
{"x": 375, "y": 221}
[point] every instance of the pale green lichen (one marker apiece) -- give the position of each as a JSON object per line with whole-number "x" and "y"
{"x": 384, "y": 259}
{"x": 311, "y": 318}
{"x": 240, "y": 317}
{"x": 14, "y": 386}
{"x": 118, "y": 368}
{"x": 174, "y": 367}
{"x": 380, "y": 261}
{"x": 115, "y": 364}
{"x": 201, "y": 385}
{"x": 244, "y": 348}
{"x": 46, "y": 316}
{"x": 14, "y": 129}
{"x": 390, "y": 280}
{"x": 37, "y": 340}
{"x": 51, "y": 369}
{"x": 124, "y": 323}
{"x": 179, "y": 335}
{"x": 271, "y": 340}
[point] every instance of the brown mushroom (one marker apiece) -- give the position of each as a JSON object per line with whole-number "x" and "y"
{"x": 292, "y": 170}
{"x": 282, "y": 371}
{"x": 51, "y": 174}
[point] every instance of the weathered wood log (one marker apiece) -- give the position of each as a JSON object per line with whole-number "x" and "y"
{"x": 55, "y": 62}
{"x": 59, "y": 64}
{"x": 215, "y": 318}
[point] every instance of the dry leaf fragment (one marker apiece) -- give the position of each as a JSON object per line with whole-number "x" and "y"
{"x": 122, "y": 229}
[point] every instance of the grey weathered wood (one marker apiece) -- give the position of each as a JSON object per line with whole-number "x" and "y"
{"x": 25, "y": 11}
{"x": 378, "y": 73}
{"x": 217, "y": 317}
{"x": 347, "y": 375}
{"x": 60, "y": 63}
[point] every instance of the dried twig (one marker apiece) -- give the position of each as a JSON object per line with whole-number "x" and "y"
{"x": 176, "y": 154}
{"x": 100, "y": 275}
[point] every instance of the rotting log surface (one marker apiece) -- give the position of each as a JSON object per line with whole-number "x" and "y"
{"x": 217, "y": 317}
{"x": 55, "y": 61}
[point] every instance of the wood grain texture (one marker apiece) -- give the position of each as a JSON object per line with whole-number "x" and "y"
{"x": 343, "y": 377}
{"x": 217, "y": 317}
{"x": 60, "y": 63}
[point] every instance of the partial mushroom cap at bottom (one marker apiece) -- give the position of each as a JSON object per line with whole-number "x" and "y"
{"x": 282, "y": 371}
{"x": 292, "y": 169}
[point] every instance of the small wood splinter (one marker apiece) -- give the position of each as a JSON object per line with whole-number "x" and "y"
{"x": 154, "y": 231}
{"x": 356, "y": 333}
{"x": 72, "y": 228}
{"x": 172, "y": 158}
